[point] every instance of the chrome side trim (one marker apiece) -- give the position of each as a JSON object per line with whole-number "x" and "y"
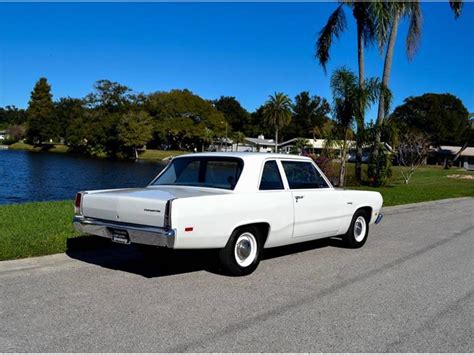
{"x": 379, "y": 218}
{"x": 139, "y": 234}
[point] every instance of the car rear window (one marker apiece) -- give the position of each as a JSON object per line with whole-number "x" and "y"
{"x": 222, "y": 173}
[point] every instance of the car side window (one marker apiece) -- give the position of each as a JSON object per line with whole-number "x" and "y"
{"x": 303, "y": 175}
{"x": 271, "y": 179}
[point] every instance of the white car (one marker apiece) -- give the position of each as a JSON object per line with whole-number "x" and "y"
{"x": 239, "y": 203}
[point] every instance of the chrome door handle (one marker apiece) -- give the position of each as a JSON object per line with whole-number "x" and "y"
{"x": 298, "y": 198}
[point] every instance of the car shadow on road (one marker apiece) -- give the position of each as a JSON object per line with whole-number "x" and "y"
{"x": 159, "y": 262}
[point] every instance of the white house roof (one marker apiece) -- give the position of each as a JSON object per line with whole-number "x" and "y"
{"x": 317, "y": 143}
{"x": 260, "y": 141}
{"x": 450, "y": 149}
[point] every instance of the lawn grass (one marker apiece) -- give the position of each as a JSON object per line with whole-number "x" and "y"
{"x": 41, "y": 228}
{"x": 53, "y": 148}
{"x": 427, "y": 184}
{"x": 33, "y": 229}
{"x": 153, "y": 154}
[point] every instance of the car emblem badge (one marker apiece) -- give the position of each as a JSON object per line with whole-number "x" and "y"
{"x": 151, "y": 210}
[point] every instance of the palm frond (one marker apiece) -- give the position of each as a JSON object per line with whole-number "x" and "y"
{"x": 334, "y": 27}
{"x": 381, "y": 16}
{"x": 413, "y": 11}
{"x": 456, "y": 7}
{"x": 364, "y": 19}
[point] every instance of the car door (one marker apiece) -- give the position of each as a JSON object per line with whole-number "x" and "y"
{"x": 318, "y": 208}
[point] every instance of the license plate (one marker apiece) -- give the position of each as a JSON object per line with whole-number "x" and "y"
{"x": 120, "y": 236}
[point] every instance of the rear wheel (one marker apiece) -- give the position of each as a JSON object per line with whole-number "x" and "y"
{"x": 241, "y": 255}
{"x": 357, "y": 234}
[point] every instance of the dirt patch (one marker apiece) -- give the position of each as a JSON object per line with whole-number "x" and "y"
{"x": 462, "y": 177}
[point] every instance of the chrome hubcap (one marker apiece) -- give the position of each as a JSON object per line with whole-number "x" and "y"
{"x": 360, "y": 227}
{"x": 245, "y": 250}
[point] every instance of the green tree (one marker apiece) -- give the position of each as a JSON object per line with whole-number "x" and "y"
{"x": 442, "y": 118}
{"x": 238, "y": 138}
{"x": 277, "y": 112}
{"x": 41, "y": 119}
{"x": 67, "y": 110}
{"x": 234, "y": 113}
{"x": 388, "y": 16}
{"x": 11, "y": 115}
{"x": 135, "y": 130}
{"x": 106, "y": 105}
{"x": 181, "y": 118}
{"x": 110, "y": 96}
{"x": 309, "y": 116}
{"x": 348, "y": 95}
{"x": 257, "y": 124}
{"x": 336, "y": 24}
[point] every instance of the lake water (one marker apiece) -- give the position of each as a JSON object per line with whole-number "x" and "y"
{"x": 30, "y": 176}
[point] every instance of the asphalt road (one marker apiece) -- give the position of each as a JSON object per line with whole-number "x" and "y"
{"x": 409, "y": 289}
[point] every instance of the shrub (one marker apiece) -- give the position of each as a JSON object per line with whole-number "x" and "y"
{"x": 324, "y": 164}
{"x": 380, "y": 169}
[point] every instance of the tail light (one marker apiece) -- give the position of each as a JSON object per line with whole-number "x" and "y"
{"x": 78, "y": 203}
{"x": 167, "y": 220}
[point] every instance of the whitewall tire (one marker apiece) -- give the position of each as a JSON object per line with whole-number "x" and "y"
{"x": 241, "y": 255}
{"x": 358, "y": 231}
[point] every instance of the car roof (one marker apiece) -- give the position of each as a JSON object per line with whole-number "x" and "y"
{"x": 244, "y": 155}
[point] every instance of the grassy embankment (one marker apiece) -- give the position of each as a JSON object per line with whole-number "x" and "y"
{"x": 34, "y": 229}
{"x": 149, "y": 154}
{"x": 53, "y": 148}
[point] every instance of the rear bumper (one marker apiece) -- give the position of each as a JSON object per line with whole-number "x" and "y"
{"x": 139, "y": 234}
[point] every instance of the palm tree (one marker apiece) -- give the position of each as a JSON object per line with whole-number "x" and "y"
{"x": 207, "y": 138}
{"x": 238, "y": 138}
{"x": 277, "y": 112}
{"x": 388, "y": 16}
{"x": 349, "y": 99}
{"x": 335, "y": 25}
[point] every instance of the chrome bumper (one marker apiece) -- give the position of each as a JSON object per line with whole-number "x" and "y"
{"x": 139, "y": 234}
{"x": 379, "y": 218}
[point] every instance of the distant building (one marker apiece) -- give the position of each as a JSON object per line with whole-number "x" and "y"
{"x": 440, "y": 155}
{"x": 259, "y": 144}
{"x": 3, "y": 135}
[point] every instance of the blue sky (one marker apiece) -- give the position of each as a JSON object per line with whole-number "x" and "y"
{"x": 246, "y": 50}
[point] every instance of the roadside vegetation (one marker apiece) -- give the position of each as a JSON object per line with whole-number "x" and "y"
{"x": 149, "y": 154}
{"x": 52, "y": 148}
{"x": 34, "y": 229}
{"x": 42, "y": 228}
{"x": 153, "y": 154}
{"x": 428, "y": 184}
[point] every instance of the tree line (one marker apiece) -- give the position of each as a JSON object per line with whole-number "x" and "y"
{"x": 114, "y": 121}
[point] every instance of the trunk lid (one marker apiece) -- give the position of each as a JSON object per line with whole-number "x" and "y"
{"x": 145, "y": 206}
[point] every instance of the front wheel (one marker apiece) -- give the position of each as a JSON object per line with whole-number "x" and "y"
{"x": 241, "y": 255}
{"x": 357, "y": 234}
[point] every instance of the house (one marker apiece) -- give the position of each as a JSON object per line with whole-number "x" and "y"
{"x": 3, "y": 135}
{"x": 259, "y": 144}
{"x": 318, "y": 146}
{"x": 444, "y": 153}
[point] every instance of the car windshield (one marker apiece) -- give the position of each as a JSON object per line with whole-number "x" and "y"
{"x": 222, "y": 173}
